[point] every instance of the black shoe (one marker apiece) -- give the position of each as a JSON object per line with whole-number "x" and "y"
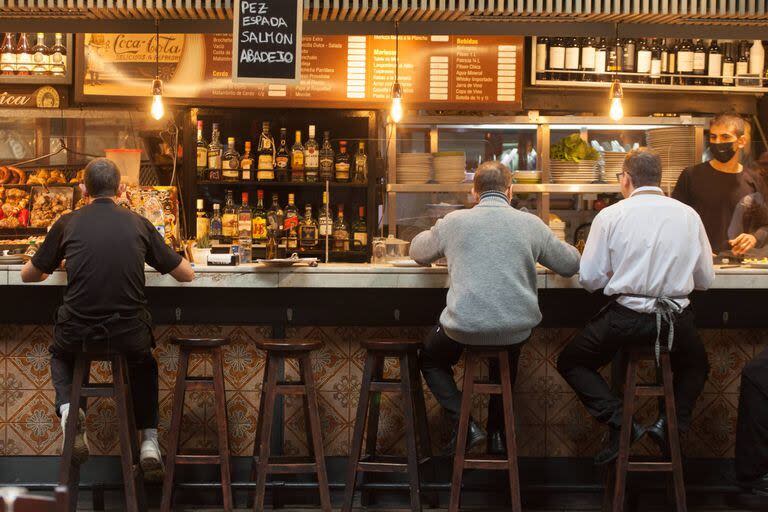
{"x": 611, "y": 449}
{"x": 658, "y": 432}
{"x": 760, "y": 486}
{"x": 475, "y": 437}
{"x": 496, "y": 444}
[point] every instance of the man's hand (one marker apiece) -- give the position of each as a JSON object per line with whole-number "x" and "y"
{"x": 742, "y": 243}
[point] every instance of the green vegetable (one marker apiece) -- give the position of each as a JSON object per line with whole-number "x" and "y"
{"x": 573, "y": 149}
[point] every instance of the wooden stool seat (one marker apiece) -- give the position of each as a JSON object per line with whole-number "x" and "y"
{"x": 415, "y": 418}
{"x": 184, "y": 383}
{"x": 264, "y": 463}
{"x": 120, "y": 390}
{"x": 289, "y": 345}
{"x": 632, "y": 390}
{"x": 474, "y": 355}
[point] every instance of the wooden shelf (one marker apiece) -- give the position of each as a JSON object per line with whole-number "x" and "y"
{"x": 551, "y": 188}
{"x": 287, "y": 184}
{"x": 653, "y": 87}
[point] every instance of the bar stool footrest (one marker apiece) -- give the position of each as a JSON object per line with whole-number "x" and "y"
{"x": 648, "y": 466}
{"x": 192, "y": 459}
{"x": 649, "y": 391}
{"x": 489, "y": 463}
{"x": 291, "y": 388}
{"x": 98, "y": 390}
{"x": 289, "y": 465}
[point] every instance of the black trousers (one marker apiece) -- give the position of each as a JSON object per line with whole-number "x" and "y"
{"x": 134, "y": 338}
{"x": 439, "y": 355}
{"x": 752, "y": 424}
{"x": 615, "y": 328}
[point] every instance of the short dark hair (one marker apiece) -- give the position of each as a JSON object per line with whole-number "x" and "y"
{"x": 102, "y": 178}
{"x": 731, "y": 120}
{"x": 644, "y": 167}
{"x": 492, "y": 176}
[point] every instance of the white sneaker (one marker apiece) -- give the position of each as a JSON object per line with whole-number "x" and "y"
{"x": 81, "y": 450}
{"x": 150, "y": 458}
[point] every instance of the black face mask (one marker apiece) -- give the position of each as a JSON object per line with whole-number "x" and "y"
{"x": 722, "y": 151}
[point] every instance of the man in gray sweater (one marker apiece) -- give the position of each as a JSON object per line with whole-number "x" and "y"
{"x": 492, "y": 252}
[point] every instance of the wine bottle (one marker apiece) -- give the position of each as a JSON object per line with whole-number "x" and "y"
{"x": 699, "y": 62}
{"x": 588, "y": 58}
{"x": 572, "y": 56}
{"x": 542, "y": 50}
{"x": 644, "y": 58}
{"x": 715, "y": 63}
{"x": 557, "y": 58}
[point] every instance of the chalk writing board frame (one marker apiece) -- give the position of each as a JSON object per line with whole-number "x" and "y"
{"x": 236, "y": 48}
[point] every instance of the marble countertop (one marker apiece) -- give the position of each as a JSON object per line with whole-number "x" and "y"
{"x": 341, "y": 275}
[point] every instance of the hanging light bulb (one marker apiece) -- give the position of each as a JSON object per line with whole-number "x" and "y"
{"x": 396, "y": 112}
{"x": 617, "y": 94}
{"x": 157, "y": 110}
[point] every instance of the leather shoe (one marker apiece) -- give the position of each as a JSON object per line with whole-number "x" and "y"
{"x": 496, "y": 444}
{"x": 658, "y": 432}
{"x": 475, "y": 437}
{"x": 760, "y": 486}
{"x": 611, "y": 450}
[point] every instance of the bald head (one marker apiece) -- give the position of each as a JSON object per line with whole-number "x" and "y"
{"x": 492, "y": 176}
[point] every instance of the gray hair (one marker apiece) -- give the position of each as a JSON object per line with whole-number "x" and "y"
{"x": 731, "y": 120}
{"x": 644, "y": 167}
{"x": 102, "y": 178}
{"x": 492, "y": 176}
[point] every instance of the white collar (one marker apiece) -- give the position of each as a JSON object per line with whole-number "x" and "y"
{"x": 647, "y": 189}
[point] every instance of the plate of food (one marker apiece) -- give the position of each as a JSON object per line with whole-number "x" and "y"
{"x": 50, "y": 203}
{"x": 288, "y": 262}
{"x": 756, "y": 262}
{"x": 405, "y": 263}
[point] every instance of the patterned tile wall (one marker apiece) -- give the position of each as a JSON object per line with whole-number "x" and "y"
{"x": 551, "y": 422}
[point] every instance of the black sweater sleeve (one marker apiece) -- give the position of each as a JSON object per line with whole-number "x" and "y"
{"x": 682, "y": 190}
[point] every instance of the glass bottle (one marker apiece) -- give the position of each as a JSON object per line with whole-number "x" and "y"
{"x": 340, "y": 232}
{"x": 246, "y": 163}
{"x": 230, "y": 162}
{"x": 271, "y": 245}
{"x": 663, "y": 45}
{"x": 757, "y": 60}
{"x": 542, "y": 52}
{"x": 614, "y": 51}
{"x": 343, "y": 164}
{"x": 297, "y": 159}
{"x": 685, "y": 61}
{"x": 360, "y": 230}
{"x": 729, "y": 65}
{"x": 40, "y": 57}
{"x": 556, "y": 58}
{"x": 8, "y": 55}
{"x": 361, "y": 165}
{"x": 58, "y": 57}
{"x": 715, "y": 63}
{"x": 742, "y": 64}
{"x": 308, "y": 230}
{"x": 672, "y": 67}
{"x": 588, "y": 57}
{"x": 311, "y": 157}
{"x": 229, "y": 218}
{"x": 699, "y": 62}
{"x": 282, "y": 158}
{"x": 245, "y": 230}
{"x": 629, "y": 59}
{"x": 572, "y": 57}
{"x": 202, "y": 225}
{"x": 265, "y": 169}
{"x": 324, "y": 219}
{"x": 275, "y": 216}
{"x": 216, "y": 223}
{"x": 260, "y": 219}
{"x": 291, "y": 218}
{"x": 644, "y": 58}
{"x": 601, "y": 61}
{"x": 202, "y": 153}
{"x": 656, "y": 61}
{"x": 326, "y": 158}
{"x": 215, "y": 152}
{"x": 23, "y": 56}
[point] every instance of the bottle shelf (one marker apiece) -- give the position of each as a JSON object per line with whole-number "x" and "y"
{"x": 283, "y": 184}
{"x": 739, "y": 89}
{"x": 540, "y": 188}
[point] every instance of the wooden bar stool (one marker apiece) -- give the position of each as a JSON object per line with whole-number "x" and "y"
{"x": 416, "y": 427}
{"x": 120, "y": 390}
{"x": 184, "y": 383}
{"x": 632, "y": 390}
{"x": 277, "y": 352}
{"x": 473, "y": 356}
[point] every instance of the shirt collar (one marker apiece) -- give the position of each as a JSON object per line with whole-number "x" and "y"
{"x": 494, "y": 197}
{"x": 103, "y": 200}
{"x": 647, "y": 189}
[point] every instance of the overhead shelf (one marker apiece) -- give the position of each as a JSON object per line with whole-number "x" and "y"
{"x": 552, "y": 188}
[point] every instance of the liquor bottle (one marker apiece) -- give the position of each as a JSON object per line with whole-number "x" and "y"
{"x": 40, "y": 57}
{"x": 326, "y": 158}
{"x": 23, "y": 56}
{"x": 656, "y": 61}
{"x": 282, "y": 158}
{"x": 699, "y": 62}
{"x": 265, "y": 168}
{"x": 360, "y": 230}
{"x": 672, "y": 66}
{"x": 245, "y": 230}
{"x": 58, "y": 57}
{"x": 308, "y": 231}
{"x": 216, "y": 223}
{"x": 297, "y": 159}
{"x": 556, "y": 58}
{"x": 342, "y": 165}
{"x": 729, "y": 65}
{"x": 260, "y": 219}
{"x": 292, "y": 238}
{"x": 614, "y": 59}
{"x": 8, "y": 55}
{"x": 275, "y": 216}
{"x": 246, "y": 163}
{"x": 542, "y": 51}
{"x": 742, "y": 65}
{"x": 324, "y": 219}
{"x": 601, "y": 61}
{"x": 629, "y": 59}
{"x": 340, "y": 232}
{"x": 572, "y": 57}
{"x": 230, "y": 162}
{"x": 202, "y": 225}
{"x": 588, "y": 52}
{"x": 757, "y": 60}
{"x": 291, "y": 224}
{"x": 229, "y": 218}
{"x": 685, "y": 61}
{"x": 215, "y": 152}
{"x": 715, "y": 63}
{"x": 644, "y": 58}
{"x": 271, "y": 245}
{"x": 664, "y": 56}
{"x": 202, "y": 153}
{"x": 361, "y": 165}
{"x": 311, "y": 157}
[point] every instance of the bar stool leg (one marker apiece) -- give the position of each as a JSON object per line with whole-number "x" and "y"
{"x": 509, "y": 429}
{"x": 69, "y": 474}
{"x": 267, "y": 412}
{"x": 672, "y": 433}
{"x": 315, "y": 427}
{"x": 425, "y": 440}
{"x": 258, "y": 420}
{"x": 128, "y": 453}
{"x": 461, "y": 437}
{"x": 179, "y": 396}
{"x": 221, "y": 422}
{"x": 406, "y": 385}
{"x": 622, "y": 462}
{"x": 357, "y": 438}
{"x": 141, "y": 496}
{"x": 372, "y": 433}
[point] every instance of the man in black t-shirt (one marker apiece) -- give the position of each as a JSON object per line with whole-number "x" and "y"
{"x": 727, "y": 197}
{"x": 104, "y": 248}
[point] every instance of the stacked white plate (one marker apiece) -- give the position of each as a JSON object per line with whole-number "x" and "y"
{"x": 614, "y": 162}
{"x": 676, "y": 147}
{"x": 414, "y": 168}
{"x": 562, "y": 171}
{"x": 558, "y": 228}
{"x": 449, "y": 166}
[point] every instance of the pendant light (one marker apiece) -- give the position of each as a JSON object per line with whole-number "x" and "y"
{"x": 157, "y": 110}
{"x": 616, "y": 111}
{"x": 396, "y": 111}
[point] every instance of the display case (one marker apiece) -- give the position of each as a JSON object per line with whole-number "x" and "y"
{"x": 36, "y": 58}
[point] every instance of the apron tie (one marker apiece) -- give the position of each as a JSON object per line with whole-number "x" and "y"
{"x": 665, "y": 309}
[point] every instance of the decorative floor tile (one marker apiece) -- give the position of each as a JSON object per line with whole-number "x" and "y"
{"x": 713, "y": 432}
{"x": 29, "y": 340}
{"x": 242, "y": 415}
{"x": 34, "y": 427}
{"x": 727, "y": 356}
{"x": 243, "y": 364}
{"x": 101, "y": 423}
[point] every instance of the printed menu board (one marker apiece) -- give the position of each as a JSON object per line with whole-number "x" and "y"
{"x": 337, "y": 71}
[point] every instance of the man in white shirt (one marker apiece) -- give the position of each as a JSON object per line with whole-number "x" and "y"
{"x": 649, "y": 252}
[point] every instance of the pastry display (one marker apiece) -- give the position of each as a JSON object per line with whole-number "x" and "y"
{"x": 14, "y": 211}
{"x": 48, "y": 204}
{"x": 11, "y": 175}
{"x": 47, "y": 177}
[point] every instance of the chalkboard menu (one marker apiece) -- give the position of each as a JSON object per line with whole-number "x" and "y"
{"x": 266, "y": 41}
